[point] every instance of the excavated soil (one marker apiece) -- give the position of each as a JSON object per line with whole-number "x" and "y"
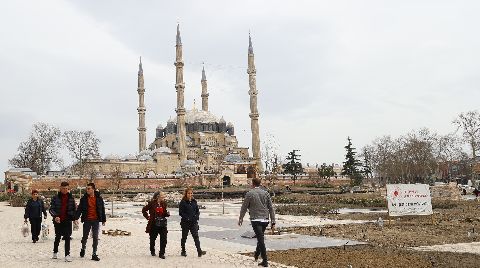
{"x": 389, "y": 245}
{"x": 371, "y": 256}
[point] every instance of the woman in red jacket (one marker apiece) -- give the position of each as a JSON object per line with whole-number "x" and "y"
{"x": 156, "y": 213}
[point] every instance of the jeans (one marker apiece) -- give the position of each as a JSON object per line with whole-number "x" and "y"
{"x": 87, "y": 226}
{"x": 35, "y": 227}
{"x": 191, "y": 227}
{"x": 259, "y": 230}
{"x": 64, "y": 229}
{"x": 154, "y": 232}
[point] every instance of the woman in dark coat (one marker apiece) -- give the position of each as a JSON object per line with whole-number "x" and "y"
{"x": 156, "y": 213}
{"x": 33, "y": 212}
{"x": 189, "y": 213}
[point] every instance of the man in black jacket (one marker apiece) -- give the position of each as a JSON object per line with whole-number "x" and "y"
{"x": 33, "y": 212}
{"x": 92, "y": 211}
{"x": 62, "y": 209}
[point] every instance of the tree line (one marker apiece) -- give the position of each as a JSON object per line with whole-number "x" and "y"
{"x": 42, "y": 148}
{"x": 419, "y": 156}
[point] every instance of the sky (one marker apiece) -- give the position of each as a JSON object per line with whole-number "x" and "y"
{"x": 326, "y": 70}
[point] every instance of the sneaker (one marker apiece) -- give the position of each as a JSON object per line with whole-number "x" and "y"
{"x": 82, "y": 253}
{"x": 54, "y": 255}
{"x": 184, "y": 254}
{"x": 201, "y": 253}
{"x": 68, "y": 258}
{"x": 161, "y": 256}
{"x": 95, "y": 257}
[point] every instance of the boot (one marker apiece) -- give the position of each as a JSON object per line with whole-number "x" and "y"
{"x": 255, "y": 255}
{"x": 263, "y": 264}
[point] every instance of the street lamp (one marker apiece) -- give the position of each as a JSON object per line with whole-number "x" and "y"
{"x": 219, "y": 170}
{"x": 223, "y": 200}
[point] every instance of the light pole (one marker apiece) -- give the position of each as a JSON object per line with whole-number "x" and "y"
{"x": 223, "y": 200}
{"x": 219, "y": 170}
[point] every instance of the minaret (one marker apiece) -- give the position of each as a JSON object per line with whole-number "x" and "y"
{"x": 142, "y": 137}
{"x": 180, "y": 86}
{"x": 253, "y": 106}
{"x": 204, "y": 91}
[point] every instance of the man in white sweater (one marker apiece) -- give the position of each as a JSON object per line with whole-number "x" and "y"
{"x": 259, "y": 205}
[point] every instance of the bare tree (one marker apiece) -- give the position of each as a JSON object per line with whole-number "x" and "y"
{"x": 116, "y": 177}
{"x": 271, "y": 158}
{"x": 40, "y": 150}
{"x": 449, "y": 153}
{"x": 469, "y": 124}
{"x": 382, "y": 154}
{"x": 210, "y": 180}
{"x": 91, "y": 173}
{"x": 411, "y": 158}
{"x": 81, "y": 144}
{"x": 269, "y": 152}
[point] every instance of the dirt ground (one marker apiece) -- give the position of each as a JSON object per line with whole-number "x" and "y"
{"x": 390, "y": 245}
{"x": 371, "y": 256}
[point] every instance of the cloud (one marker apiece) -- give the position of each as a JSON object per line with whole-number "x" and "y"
{"x": 325, "y": 70}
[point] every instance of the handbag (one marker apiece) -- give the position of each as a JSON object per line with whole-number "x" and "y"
{"x": 161, "y": 222}
{"x": 25, "y": 230}
{"x": 45, "y": 231}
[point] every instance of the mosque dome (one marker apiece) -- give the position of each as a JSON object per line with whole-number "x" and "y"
{"x": 233, "y": 158}
{"x": 159, "y": 126}
{"x": 130, "y": 157}
{"x": 199, "y": 116}
{"x": 222, "y": 120}
{"x": 145, "y": 157}
{"x": 145, "y": 152}
{"x": 163, "y": 150}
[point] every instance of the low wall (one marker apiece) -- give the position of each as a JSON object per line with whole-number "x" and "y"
{"x": 51, "y": 184}
{"x": 124, "y": 184}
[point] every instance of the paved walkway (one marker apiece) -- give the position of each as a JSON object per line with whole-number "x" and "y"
{"x": 219, "y": 234}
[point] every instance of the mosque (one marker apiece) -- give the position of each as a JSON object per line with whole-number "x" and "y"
{"x": 194, "y": 141}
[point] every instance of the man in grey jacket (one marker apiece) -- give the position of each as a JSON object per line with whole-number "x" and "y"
{"x": 260, "y": 208}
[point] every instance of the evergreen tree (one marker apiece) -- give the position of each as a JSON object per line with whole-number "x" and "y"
{"x": 293, "y": 166}
{"x": 325, "y": 172}
{"x": 367, "y": 167}
{"x": 351, "y": 165}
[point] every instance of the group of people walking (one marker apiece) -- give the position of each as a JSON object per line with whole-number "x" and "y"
{"x": 64, "y": 212}
{"x": 91, "y": 211}
{"x": 156, "y": 213}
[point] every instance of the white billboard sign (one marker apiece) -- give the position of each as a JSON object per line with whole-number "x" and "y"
{"x": 409, "y": 199}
